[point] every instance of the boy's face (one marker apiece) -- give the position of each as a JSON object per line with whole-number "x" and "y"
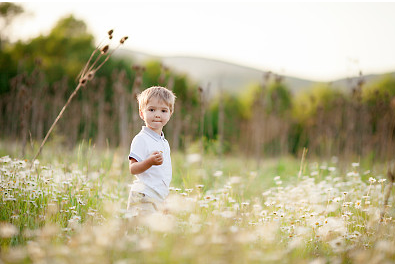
{"x": 156, "y": 114}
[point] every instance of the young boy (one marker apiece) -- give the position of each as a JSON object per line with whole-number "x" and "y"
{"x": 149, "y": 158}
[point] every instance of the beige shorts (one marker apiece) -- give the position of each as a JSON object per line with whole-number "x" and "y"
{"x": 141, "y": 204}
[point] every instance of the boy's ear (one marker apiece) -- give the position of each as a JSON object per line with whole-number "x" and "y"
{"x": 141, "y": 114}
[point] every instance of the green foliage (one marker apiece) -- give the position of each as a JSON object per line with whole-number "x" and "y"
{"x": 69, "y": 27}
{"x": 62, "y": 53}
{"x": 7, "y": 70}
{"x": 187, "y": 95}
{"x": 182, "y": 89}
{"x": 320, "y": 96}
{"x": 232, "y": 117}
{"x": 152, "y": 73}
{"x": 8, "y": 11}
{"x": 381, "y": 91}
{"x": 276, "y": 99}
{"x": 247, "y": 99}
{"x": 279, "y": 98}
{"x": 65, "y": 50}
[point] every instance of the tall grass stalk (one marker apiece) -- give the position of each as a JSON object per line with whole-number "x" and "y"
{"x": 302, "y": 162}
{"x": 391, "y": 178}
{"x": 86, "y": 75}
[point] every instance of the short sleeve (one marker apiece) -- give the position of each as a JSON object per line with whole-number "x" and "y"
{"x": 138, "y": 149}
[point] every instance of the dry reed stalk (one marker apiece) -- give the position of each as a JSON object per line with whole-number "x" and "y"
{"x": 391, "y": 178}
{"x": 221, "y": 124}
{"x": 121, "y": 99}
{"x": 201, "y": 119}
{"x": 101, "y": 113}
{"x": 85, "y": 76}
{"x": 138, "y": 80}
{"x": 163, "y": 73}
{"x": 302, "y": 162}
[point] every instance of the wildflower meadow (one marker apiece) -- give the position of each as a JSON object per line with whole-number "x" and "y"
{"x": 265, "y": 173}
{"x": 71, "y": 208}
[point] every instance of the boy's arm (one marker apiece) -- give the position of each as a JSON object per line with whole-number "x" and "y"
{"x": 136, "y": 167}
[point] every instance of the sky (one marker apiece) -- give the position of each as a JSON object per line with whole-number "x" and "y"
{"x": 319, "y": 41}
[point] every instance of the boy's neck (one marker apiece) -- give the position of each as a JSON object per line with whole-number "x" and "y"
{"x": 160, "y": 133}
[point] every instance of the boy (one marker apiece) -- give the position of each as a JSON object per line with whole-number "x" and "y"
{"x": 149, "y": 158}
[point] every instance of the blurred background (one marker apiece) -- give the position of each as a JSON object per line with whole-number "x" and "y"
{"x": 252, "y": 79}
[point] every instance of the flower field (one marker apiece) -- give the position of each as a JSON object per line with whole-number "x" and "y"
{"x": 74, "y": 212}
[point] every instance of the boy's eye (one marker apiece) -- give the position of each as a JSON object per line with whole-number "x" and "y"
{"x": 164, "y": 111}
{"x": 151, "y": 110}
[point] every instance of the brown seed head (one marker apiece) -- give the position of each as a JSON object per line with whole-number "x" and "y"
{"x": 83, "y": 81}
{"x": 104, "y": 49}
{"x": 138, "y": 82}
{"x": 90, "y": 75}
{"x": 123, "y": 39}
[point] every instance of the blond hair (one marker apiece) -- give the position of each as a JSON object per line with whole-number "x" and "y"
{"x": 158, "y": 92}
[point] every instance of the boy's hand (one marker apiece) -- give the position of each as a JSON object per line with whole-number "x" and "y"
{"x": 135, "y": 167}
{"x": 156, "y": 158}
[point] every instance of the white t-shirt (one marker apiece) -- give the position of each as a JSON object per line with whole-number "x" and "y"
{"x": 156, "y": 180}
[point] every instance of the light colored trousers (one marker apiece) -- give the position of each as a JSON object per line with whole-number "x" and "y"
{"x": 141, "y": 204}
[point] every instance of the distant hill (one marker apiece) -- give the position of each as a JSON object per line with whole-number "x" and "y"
{"x": 348, "y": 84}
{"x": 223, "y": 75}
{"x": 227, "y": 76}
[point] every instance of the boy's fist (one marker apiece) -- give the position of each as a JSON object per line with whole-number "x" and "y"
{"x": 156, "y": 158}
